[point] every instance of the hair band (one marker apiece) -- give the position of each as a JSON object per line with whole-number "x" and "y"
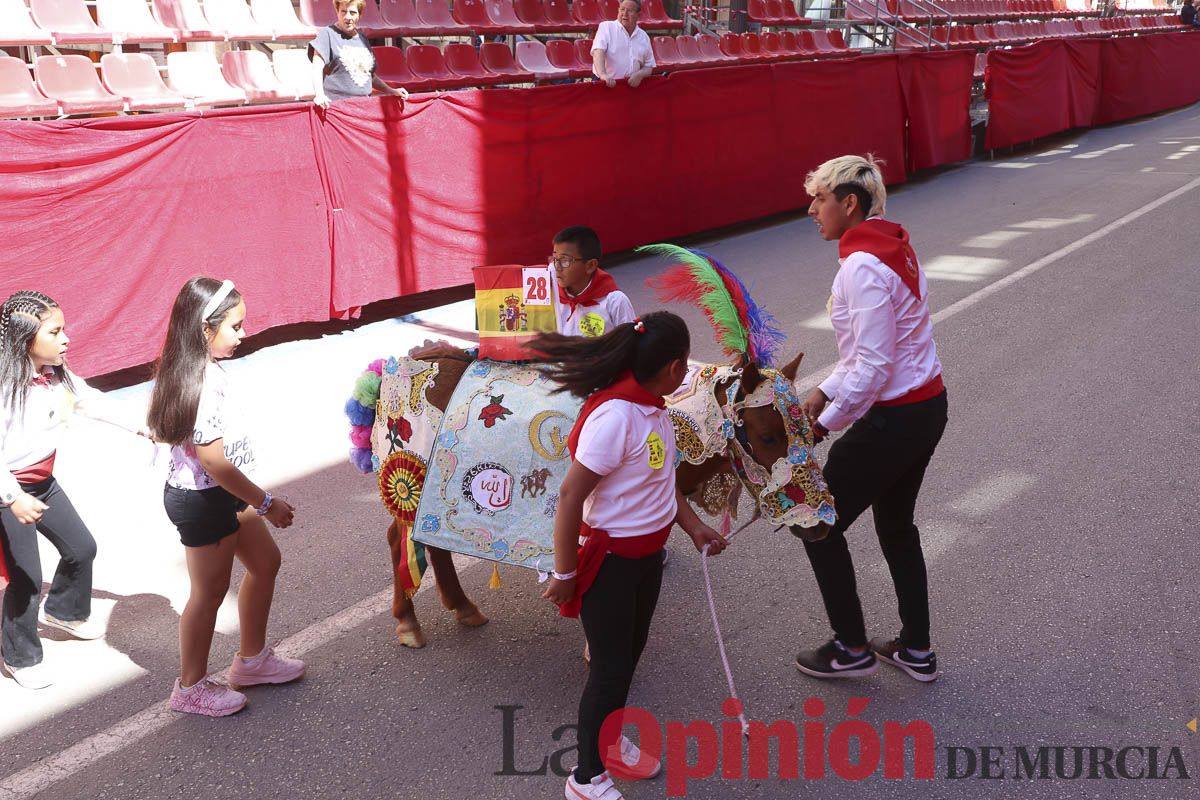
{"x": 215, "y": 301}
{"x": 639, "y": 326}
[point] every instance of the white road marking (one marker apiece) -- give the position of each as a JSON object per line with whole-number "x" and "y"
{"x": 47, "y": 772}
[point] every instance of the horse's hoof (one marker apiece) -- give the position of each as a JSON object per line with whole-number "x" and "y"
{"x": 470, "y": 616}
{"x": 817, "y": 533}
{"x": 411, "y": 637}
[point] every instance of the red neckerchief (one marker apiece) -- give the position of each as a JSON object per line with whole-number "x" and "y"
{"x": 602, "y": 286}
{"x": 625, "y": 388}
{"x": 41, "y": 379}
{"x": 888, "y": 242}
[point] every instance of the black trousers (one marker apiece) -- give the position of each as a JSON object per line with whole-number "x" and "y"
{"x": 70, "y": 596}
{"x": 616, "y": 614}
{"x": 879, "y": 464}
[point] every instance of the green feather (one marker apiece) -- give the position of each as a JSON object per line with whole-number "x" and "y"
{"x": 708, "y": 291}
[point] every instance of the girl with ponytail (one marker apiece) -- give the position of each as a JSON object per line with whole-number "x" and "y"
{"x": 619, "y": 498}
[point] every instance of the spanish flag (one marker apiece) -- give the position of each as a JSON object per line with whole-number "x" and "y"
{"x": 512, "y": 305}
{"x": 411, "y": 564}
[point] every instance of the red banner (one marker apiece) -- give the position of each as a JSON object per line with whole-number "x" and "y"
{"x": 314, "y": 214}
{"x": 1053, "y": 86}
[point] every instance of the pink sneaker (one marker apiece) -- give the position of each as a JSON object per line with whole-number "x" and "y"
{"x": 266, "y": 667}
{"x": 208, "y": 698}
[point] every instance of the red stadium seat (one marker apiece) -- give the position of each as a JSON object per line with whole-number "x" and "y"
{"x": 654, "y": 17}
{"x": 558, "y": 13}
{"x": 752, "y": 48}
{"x": 713, "y": 49}
{"x": 772, "y": 45}
{"x": 392, "y": 67}
{"x": 531, "y": 12}
{"x": 398, "y": 18}
{"x": 731, "y": 45}
{"x": 69, "y": 22}
{"x": 130, "y": 22}
{"x": 135, "y": 78}
{"x": 503, "y": 13}
{"x": 233, "y": 17}
{"x": 72, "y": 81}
{"x": 426, "y": 62}
{"x": 583, "y": 48}
{"x": 197, "y": 77}
{"x": 472, "y": 14}
{"x": 789, "y": 43}
{"x": 463, "y": 61}
{"x": 250, "y": 71}
{"x": 666, "y": 53}
{"x": 294, "y": 70}
{"x": 532, "y": 57}
{"x": 689, "y": 52}
{"x": 756, "y": 11}
{"x": 435, "y": 15}
{"x": 589, "y": 12}
{"x": 609, "y": 8}
{"x": 561, "y": 53}
{"x": 186, "y": 17}
{"x": 790, "y": 16}
{"x": 19, "y": 97}
{"x": 280, "y": 17}
{"x": 498, "y": 60}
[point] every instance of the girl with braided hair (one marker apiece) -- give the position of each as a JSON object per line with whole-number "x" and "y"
{"x": 38, "y": 394}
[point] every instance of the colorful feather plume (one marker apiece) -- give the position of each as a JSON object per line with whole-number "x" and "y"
{"x": 741, "y": 325}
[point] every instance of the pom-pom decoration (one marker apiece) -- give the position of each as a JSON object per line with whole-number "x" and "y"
{"x": 360, "y": 410}
{"x": 741, "y": 325}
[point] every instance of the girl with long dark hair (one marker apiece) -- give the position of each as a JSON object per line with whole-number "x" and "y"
{"x": 216, "y": 507}
{"x": 619, "y": 497}
{"x": 38, "y": 393}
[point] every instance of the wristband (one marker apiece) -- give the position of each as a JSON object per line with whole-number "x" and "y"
{"x": 265, "y": 505}
{"x": 564, "y": 576}
{"x": 819, "y": 431}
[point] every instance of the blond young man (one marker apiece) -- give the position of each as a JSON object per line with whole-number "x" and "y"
{"x": 887, "y": 393}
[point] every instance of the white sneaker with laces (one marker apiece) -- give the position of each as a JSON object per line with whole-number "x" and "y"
{"x": 599, "y": 788}
{"x": 39, "y": 676}
{"x": 642, "y": 766}
{"x": 86, "y": 629}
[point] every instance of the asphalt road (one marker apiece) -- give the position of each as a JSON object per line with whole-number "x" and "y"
{"x": 1058, "y": 517}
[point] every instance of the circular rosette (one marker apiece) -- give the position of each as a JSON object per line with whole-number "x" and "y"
{"x": 401, "y": 477}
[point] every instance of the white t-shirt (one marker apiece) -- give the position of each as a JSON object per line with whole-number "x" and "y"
{"x": 216, "y": 418}
{"x": 597, "y": 320}
{"x": 624, "y": 53}
{"x": 633, "y": 447}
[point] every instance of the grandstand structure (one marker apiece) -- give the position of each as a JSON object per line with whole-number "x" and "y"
{"x": 93, "y": 57}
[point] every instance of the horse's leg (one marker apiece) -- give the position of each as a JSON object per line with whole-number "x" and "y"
{"x": 408, "y": 628}
{"x": 450, "y": 590}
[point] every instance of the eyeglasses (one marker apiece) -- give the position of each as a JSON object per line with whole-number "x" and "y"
{"x": 562, "y": 262}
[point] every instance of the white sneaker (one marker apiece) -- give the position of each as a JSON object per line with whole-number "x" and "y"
{"x": 600, "y": 788}
{"x": 640, "y": 766}
{"x": 39, "y": 676}
{"x": 86, "y": 629}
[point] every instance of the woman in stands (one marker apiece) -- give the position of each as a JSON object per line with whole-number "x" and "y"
{"x": 619, "y": 494}
{"x": 217, "y": 509}
{"x": 38, "y": 393}
{"x": 343, "y": 64}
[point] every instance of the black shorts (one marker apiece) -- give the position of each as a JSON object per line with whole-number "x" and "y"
{"x": 202, "y": 516}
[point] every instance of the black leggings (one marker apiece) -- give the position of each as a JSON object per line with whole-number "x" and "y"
{"x": 879, "y": 464}
{"x": 616, "y": 614}
{"x": 70, "y": 596}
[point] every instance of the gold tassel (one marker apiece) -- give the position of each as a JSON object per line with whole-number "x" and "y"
{"x": 494, "y": 583}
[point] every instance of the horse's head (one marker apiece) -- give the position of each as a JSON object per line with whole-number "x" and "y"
{"x": 772, "y": 447}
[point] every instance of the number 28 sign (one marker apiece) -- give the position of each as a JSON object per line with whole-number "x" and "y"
{"x": 538, "y": 286}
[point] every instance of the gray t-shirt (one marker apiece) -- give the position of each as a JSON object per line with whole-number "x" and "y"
{"x": 349, "y": 63}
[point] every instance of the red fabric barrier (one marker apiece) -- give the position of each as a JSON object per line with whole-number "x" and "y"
{"x": 110, "y": 217}
{"x": 1052, "y": 86}
{"x": 1148, "y": 74}
{"x": 316, "y": 214}
{"x": 1027, "y": 93}
{"x": 937, "y": 99}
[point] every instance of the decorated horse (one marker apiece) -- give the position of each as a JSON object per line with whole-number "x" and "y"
{"x": 469, "y": 453}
